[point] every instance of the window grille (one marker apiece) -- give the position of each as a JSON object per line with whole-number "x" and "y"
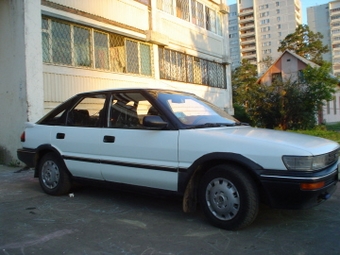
{"x": 210, "y": 19}
{"x": 82, "y": 50}
{"x": 101, "y": 50}
{"x": 185, "y": 68}
{"x": 73, "y": 45}
{"x": 61, "y": 43}
{"x": 166, "y": 6}
{"x": 182, "y": 9}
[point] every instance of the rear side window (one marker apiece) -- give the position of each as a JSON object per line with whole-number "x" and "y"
{"x": 87, "y": 111}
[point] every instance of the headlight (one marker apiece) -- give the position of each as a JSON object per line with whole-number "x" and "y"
{"x": 311, "y": 163}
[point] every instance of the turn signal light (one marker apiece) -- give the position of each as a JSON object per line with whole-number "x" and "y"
{"x": 312, "y": 186}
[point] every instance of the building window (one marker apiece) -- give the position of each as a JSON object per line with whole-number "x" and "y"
{"x": 82, "y": 46}
{"x": 264, "y": 14}
{"x": 328, "y": 108}
{"x": 278, "y": 19}
{"x": 185, "y": 68}
{"x": 182, "y": 9}
{"x": 61, "y": 43}
{"x": 101, "y": 50}
{"x": 194, "y": 12}
{"x": 166, "y": 6}
{"x": 276, "y": 77}
{"x": 277, "y": 11}
{"x": 73, "y": 45}
{"x": 210, "y": 19}
{"x": 301, "y": 76}
{"x": 277, "y": 4}
{"x": 264, "y": 21}
{"x": 334, "y": 105}
{"x": 197, "y": 12}
{"x": 264, "y": 6}
{"x": 267, "y": 36}
{"x": 265, "y": 29}
{"x": 279, "y": 26}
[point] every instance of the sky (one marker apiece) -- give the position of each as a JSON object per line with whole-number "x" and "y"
{"x": 304, "y": 4}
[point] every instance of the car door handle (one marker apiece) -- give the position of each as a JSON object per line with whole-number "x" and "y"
{"x": 60, "y": 136}
{"x": 109, "y": 139}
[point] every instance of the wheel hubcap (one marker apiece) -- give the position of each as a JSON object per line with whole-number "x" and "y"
{"x": 222, "y": 198}
{"x": 50, "y": 174}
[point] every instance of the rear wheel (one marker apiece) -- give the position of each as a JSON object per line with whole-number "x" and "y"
{"x": 53, "y": 176}
{"x": 229, "y": 197}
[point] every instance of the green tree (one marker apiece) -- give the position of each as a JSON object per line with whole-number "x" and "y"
{"x": 305, "y": 43}
{"x": 294, "y": 104}
{"x": 288, "y": 104}
{"x": 244, "y": 85}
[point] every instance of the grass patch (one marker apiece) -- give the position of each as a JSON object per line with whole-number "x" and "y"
{"x": 331, "y": 132}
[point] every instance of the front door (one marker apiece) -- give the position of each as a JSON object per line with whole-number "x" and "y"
{"x": 134, "y": 154}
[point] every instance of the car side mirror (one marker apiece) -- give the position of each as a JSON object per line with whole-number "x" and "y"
{"x": 154, "y": 121}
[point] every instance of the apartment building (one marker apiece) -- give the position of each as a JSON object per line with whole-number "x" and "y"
{"x": 325, "y": 19}
{"x": 256, "y": 28}
{"x": 52, "y": 49}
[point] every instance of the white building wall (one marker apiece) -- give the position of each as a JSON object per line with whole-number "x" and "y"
{"x": 125, "y": 12}
{"x": 319, "y": 19}
{"x": 20, "y": 71}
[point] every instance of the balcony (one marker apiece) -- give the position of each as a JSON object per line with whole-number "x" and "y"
{"x": 249, "y": 55}
{"x": 245, "y": 12}
{"x": 249, "y": 33}
{"x": 246, "y": 19}
{"x": 247, "y": 41}
{"x": 250, "y": 48}
{"x": 247, "y": 26}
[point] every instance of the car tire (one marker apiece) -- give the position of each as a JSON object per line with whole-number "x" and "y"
{"x": 228, "y": 197}
{"x": 54, "y": 178}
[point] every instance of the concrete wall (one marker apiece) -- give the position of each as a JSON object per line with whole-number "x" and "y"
{"x": 20, "y": 72}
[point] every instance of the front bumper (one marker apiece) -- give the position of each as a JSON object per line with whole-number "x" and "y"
{"x": 27, "y": 156}
{"x": 284, "y": 190}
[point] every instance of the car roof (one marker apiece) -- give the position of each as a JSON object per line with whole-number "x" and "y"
{"x": 134, "y": 89}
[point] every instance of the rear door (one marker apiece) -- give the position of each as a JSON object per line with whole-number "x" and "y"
{"x": 134, "y": 154}
{"x": 78, "y": 139}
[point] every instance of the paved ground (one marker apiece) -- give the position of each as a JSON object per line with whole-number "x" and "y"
{"x": 99, "y": 221}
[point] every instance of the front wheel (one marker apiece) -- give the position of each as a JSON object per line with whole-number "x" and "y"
{"x": 229, "y": 197}
{"x": 53, "y": 176}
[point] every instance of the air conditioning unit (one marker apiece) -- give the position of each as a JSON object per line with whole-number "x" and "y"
{"x": 224, "y": 8}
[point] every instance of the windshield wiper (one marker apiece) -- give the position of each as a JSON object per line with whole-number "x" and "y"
{"x": 212, "y": 125}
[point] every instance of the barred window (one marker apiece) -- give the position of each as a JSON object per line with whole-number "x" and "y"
{"x": 197, "y": 13}
{"x": 194, "y": 12}
{"x": 182, "y": 9}
{"x": 82, "y": 50}
{"x": 166, "y": 6}
{"x": 210, "y": 19}
{"x": 61, "y": 43}
{"x": 70, "y": 44}
{"x": 101, "y": 49}
{"x": 185, "y": 68}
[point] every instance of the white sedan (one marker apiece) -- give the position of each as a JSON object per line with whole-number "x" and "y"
{"x": 171, "y": 141}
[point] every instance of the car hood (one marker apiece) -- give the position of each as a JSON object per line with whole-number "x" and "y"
{"x": 263, "y": 146}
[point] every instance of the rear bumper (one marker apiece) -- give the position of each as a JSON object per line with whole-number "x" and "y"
{"x": 284, "y": 191}
{"x": 27, "y": 156}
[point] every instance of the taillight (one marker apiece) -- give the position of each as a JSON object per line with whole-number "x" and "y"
{"x": 23, "y": 137}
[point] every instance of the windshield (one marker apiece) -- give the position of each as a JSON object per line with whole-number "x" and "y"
{"x": 193, "y": 111}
